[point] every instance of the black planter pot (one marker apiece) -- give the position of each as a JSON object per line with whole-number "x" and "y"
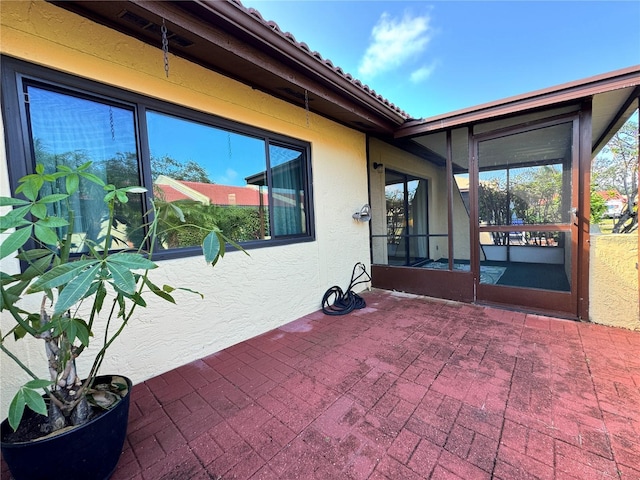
{"x": 90, "y": 451}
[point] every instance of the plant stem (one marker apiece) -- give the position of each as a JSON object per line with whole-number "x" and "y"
{"x": 19, "y": 362}
{"x": 15, "y": 314}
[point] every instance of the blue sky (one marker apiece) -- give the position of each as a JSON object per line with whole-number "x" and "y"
{"x": 430, "y": 58}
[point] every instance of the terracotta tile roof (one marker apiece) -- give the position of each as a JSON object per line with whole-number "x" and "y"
{"x": 273, "y": 26}
{"x": 168, "y": 193}
{"x": 228, "y": 195}
{"x": 217, "y": 194}
{"x": 612, "y": 195}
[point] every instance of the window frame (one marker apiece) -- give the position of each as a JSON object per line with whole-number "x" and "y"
{"x": 406, "y": 238}
{"x": 19, "y": 148}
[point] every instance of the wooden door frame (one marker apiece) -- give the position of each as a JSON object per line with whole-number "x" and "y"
{"x": 574, "y": 303}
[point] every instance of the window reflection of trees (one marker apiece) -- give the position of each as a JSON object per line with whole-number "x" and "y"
{"x": 522, "y": 196}
{"x": 262, "y": 182}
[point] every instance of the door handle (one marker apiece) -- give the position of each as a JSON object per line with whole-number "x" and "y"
{"x": 574, "y": 213}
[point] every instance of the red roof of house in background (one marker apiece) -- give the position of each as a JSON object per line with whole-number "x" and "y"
{"x": 218, "y": 194}
{"x": 612, "y": 195}
{"x": 170, "y": 194}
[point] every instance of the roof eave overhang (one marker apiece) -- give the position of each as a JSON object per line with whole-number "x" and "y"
{"x": 307, "y": 61}
{"x": 562, "y": 94}
{"x": 236, "y": 42}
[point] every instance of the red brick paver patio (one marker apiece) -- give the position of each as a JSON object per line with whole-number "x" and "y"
{"x": 407, "y": 388}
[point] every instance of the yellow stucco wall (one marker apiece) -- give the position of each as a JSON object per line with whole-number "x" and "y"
{"x": 244, "y": 295}
{"x": 613, "y": 281}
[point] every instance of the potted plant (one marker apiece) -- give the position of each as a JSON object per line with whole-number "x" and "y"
{"x": 85, "y": 297}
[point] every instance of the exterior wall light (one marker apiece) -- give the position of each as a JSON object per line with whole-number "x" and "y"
{"x": 364, "y": 215}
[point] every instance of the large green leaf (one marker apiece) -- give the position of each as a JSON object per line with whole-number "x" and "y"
{"x": 53, "y": 198}
{"x": 19, "y": 332}
{"x": 66, "y": 325}
{"x": 37, "y": 268}
{"x": 39, "y": 210}
{"x": 38, "y": 383}
{"x": 53, "y": 222}
{"x": 29, "y": 397}
{"x": 60, "y": 275}
{"x": 122, "y": 277}
{"x": 45, "y": 235}
{"x": 16, "y": 291}
{"x": 82, "y": 331}
{"x": 132, "y": 261}
{"x": 101, "y": 293}
{"x": 30, "y": 187}
{"x": 35, "y": 401}
{"x": 14, "y": 241}
{"x": 14, "y": 218}
{"x": 33, "y": 254}
{"x": 92, "y": 178}
{"x": 16, "y": 409}
{"x": 211, "y": 247}
{"x": 72, "y": 182}
{"x": 76, "y": 289}
{"x": 8, "y": 201}
{"x": 122, "y": 196}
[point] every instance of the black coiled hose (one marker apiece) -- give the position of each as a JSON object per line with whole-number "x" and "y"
{"x": 345, "y": 302}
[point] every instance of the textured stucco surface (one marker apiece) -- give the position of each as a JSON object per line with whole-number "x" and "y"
{"x": 613, "y": 280}
{"x": 244, "y": 295}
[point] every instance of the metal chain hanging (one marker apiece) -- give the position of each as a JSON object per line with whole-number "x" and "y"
{"x": 113, "y": 130}
{"x": 306, "y": 104}
{"x": 165, "y": 48}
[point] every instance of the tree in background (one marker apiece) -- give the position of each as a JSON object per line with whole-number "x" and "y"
{"x": 598, "y": 205}
{"x": 616, "y": 168}
{"x": 493, "y": 207}
{"x": 537, "y": 192}
{"x": 395, "y": 214}
{"x": 188, "y": 171}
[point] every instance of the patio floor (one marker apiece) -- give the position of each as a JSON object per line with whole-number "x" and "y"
{"x": 406, "y": 388}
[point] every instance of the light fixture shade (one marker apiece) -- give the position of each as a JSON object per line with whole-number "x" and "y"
{"x": 364, "y": 215}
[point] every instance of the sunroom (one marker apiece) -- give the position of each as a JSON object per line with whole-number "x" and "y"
{"x": 495, "y": 208}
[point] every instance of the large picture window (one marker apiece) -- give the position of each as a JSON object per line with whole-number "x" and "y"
{"x": 252, "y": 184}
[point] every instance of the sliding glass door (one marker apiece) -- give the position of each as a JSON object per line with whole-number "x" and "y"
{"x": 406, "y": 215}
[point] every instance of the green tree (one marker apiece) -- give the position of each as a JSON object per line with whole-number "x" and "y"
{"x": 537, "y": 193}
{"x": 598, "y": 205}
{"x": 493, "y": 207}
{"x": 616, "y": 167}
{"x": 395, "y": 214}
{"x": 188, "y": 171}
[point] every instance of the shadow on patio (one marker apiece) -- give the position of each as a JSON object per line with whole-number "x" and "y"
{"x": 406, "y": 388}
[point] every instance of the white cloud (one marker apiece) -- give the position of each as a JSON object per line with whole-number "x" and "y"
{"x": 394, "y": 41}
{"x": 231, "y": 173}
{"x": 422, "y": 73}
{"x": 228, "y": 178}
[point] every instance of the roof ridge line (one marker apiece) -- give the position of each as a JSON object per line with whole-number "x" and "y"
{"x": 327, "y": 63}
